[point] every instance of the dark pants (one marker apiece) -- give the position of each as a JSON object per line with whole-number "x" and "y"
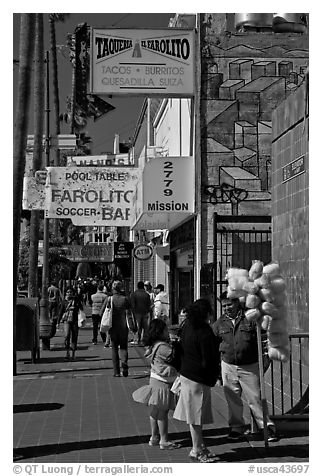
{"x": 142, "y": 322}
{"x": 96, "y": 320}
{"x": 119, "y": 338}
{"x": 71, "y": 335}
{"x": 53, "y": 309}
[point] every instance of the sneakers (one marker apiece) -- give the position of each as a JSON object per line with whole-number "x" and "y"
{"x": 259, "y": 435}
{"x": 234, "y": 436}
{"x": 272, "y": 436}
{"x": 125, "y": 372}
{"x": 117, "y": 375}
{"x": 203, "y": 456}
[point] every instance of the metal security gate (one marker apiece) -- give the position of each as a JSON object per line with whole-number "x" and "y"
{"x": 238, "y": 240}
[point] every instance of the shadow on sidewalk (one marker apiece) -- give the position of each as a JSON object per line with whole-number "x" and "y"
{"x": 36, "y": 407}
{"x": 234, "y": 454}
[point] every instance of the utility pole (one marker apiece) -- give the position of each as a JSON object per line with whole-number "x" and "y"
{"x": 45, "y": 325}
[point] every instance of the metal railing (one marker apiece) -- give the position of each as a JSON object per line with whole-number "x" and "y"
{"x": 289, "y": 392}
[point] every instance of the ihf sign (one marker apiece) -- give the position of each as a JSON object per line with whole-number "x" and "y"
{"x": 142, "y": 61}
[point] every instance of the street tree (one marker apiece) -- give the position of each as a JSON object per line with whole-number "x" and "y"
{"x": 39, "y": 111}
{"x": 26, "y": 50}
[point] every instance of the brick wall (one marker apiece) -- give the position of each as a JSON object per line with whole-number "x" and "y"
{"x": 290, "y": 204}
{"x": 290, "y": 234}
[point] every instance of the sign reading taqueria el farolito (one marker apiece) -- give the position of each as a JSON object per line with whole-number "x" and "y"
{"x": 91, "y": 195}
{"x": 142, "y": 61}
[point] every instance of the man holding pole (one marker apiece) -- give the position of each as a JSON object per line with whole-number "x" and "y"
{"x": 240, "y": 369}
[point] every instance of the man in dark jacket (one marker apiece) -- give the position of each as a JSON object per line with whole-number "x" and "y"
{"x": 119, "y": 330}
{"x": 141, "y": 305}
{"x": 239, "y": 363}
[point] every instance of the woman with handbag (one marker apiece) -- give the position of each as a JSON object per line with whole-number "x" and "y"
{"x": 118, "y": 332}
{"x": 198, "y": 373}
{"x": 68, "y": 315}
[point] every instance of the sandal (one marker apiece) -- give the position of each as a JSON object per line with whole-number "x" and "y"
{"x": 154, "y": 441}
{"x": 169, "y": 445}
{"x": 203, "y": 456}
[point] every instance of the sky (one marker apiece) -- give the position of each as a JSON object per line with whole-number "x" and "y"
{"x": 122, "y": 120}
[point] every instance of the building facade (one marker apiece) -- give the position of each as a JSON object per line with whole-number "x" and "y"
{"x": 244, "y": 71}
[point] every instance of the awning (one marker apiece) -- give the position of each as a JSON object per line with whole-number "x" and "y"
{"x": 165, "y": 195}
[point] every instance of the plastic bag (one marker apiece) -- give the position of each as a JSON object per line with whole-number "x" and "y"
{"x": 236, "y": 273}
{"x": 256, "y": 270}
{"x": 278, "y": 325}
{"x": 131, "y": 322}
{"x": 237, "y": 282}
{"x": 252, "y": 301}
{"x": 250, "y": 287}
{"x": 278, "y": 353}
{"x": 176, "y": 386}
{"x": 277, "y": 284}
{"x": 266, "y": 294}
{"x": 263, "y": 281}
{"x": 235, "y": 294}
{"x": 106, "y": 322}
{"x": 277, "y": 339}
{"x": 272, "y": 269}
{"x": 265, "y": 322}
{"x": 253, "y": 314}
{"x": 279, "y": 299}
{"x": 81, "y": 318}
{"x": 269, "y": 308}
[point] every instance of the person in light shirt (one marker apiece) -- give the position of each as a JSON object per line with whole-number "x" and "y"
{"x": 161, "y": 304}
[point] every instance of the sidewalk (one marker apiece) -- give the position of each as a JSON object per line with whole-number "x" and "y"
{"x": 77, "y": 412}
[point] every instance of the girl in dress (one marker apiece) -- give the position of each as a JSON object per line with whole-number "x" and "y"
{"x": 157, "y": 394}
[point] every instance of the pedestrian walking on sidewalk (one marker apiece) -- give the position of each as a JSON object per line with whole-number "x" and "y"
{"x": 237, "y": 338}
{"x": 69, "y": 317}
{"x": 54, "y": 300}
{"x": 198, "y": 373}
{"x": 149, "y": 290}
{"x": 119, "y": 330}
{"x": 141, "y": 305}
{"x": 161, "y": 304}
{"x": 97, "y": 302}
{"x": 157, "y": 394}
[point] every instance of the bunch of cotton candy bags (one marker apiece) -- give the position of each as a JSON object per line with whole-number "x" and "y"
{"x": 262, "y": 290}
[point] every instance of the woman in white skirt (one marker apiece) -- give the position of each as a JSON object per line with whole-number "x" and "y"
{"x": 157, "y": 394}
{"x": 199, "y": 372}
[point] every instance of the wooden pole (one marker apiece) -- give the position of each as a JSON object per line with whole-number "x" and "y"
{"x": 261, "y": 380}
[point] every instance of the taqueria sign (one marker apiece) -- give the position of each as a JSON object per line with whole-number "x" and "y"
{"x": 142, "y": 61}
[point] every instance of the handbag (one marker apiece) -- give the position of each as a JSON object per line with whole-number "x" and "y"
{"x": 131, "y": 322}
{"x": 106, "y": 322}
{"x": 81, "y": 318}
{"x": 68, "y": 314}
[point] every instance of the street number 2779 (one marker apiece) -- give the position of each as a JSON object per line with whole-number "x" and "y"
{"x": 167, "y": 171}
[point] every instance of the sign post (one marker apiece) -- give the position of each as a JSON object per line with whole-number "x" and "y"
{"x": 261, "y": 379}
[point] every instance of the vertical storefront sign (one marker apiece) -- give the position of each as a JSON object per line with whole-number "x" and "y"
{"x": 166, "y": 196}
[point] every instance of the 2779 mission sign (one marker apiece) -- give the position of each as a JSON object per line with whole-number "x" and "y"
{"x": 142, "y": 61}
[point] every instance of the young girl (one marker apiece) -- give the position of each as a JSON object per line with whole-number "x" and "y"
{"x": 157, "y": 394}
